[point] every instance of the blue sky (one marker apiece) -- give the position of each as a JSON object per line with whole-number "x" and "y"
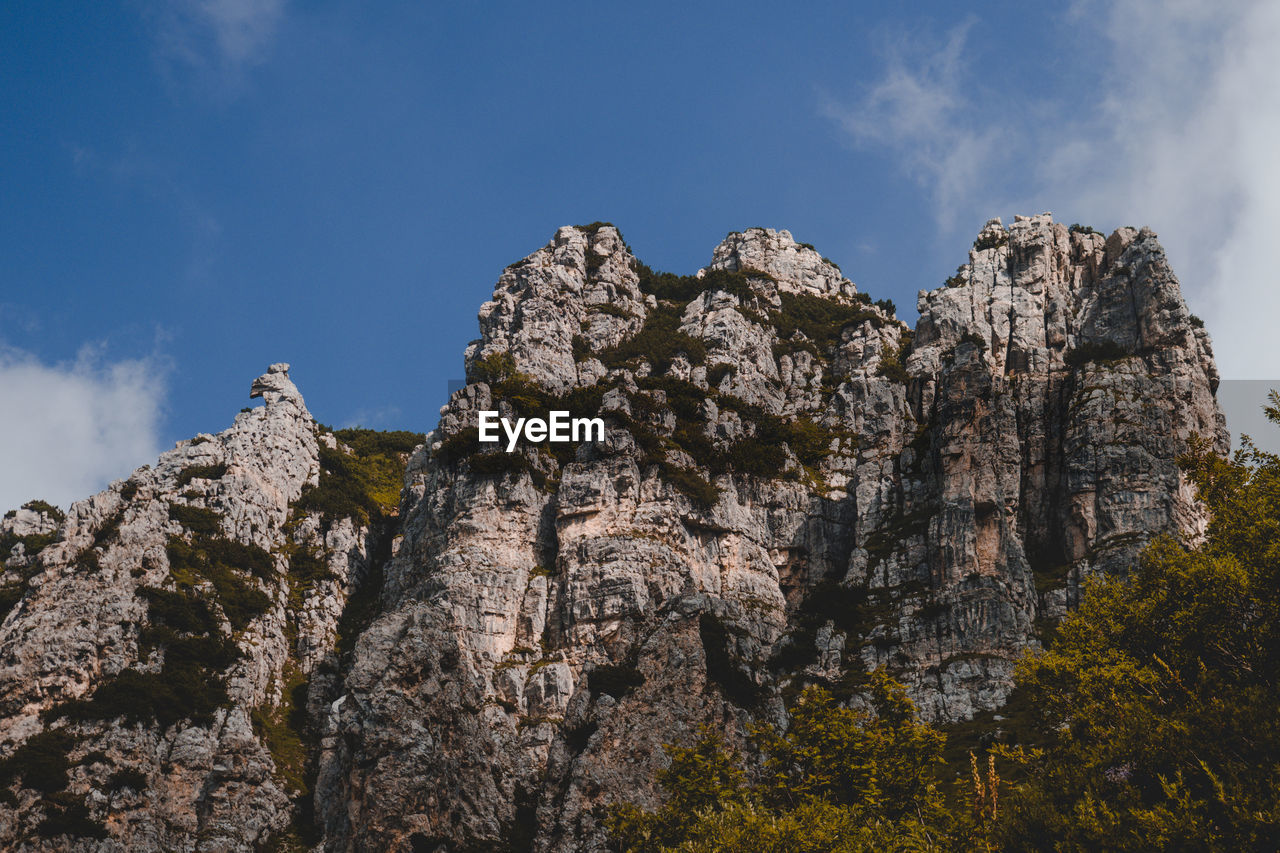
{"x": 196, "y": 188}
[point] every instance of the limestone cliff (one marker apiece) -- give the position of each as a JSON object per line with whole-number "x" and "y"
{"x": 794, "y": 487}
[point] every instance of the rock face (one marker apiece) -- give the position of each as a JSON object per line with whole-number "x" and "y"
{"x": 146, "y": 652}
{"x": 793, "y": 488}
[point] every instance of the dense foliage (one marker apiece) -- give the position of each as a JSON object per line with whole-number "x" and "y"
{"x": 362, "y": 477}
{"x": 1159, "y": 698}
{"x": 1151, "y": 722}
{"x": 837, "y": 780}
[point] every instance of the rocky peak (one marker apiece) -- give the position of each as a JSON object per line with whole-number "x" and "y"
{"x": 792, "y": 489}
{"x": 578, "y": 293}
{"x": 1041, "y": 296}
{"x": 798, "y": 267}
{"x": 159, "y": 632}
{"x": 275, "y": 387}
{"x": 29, "y": 521}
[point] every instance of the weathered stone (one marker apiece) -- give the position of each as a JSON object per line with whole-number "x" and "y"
{"x": 536, "y": 626}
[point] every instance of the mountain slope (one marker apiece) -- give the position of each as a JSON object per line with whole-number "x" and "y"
{"x": 794, "y": 487}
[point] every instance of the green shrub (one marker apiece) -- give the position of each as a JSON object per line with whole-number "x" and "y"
{"x": 190, "y": 684}
{"x": 684, "y": 398}
{"x": 340, "y": 492}
{"x": 499, "y": 463}
{"x": 617, "y": 680}
{"x": 1077, "y": 228}
{"x": 1153, "y": 713}
{"x": 41, "y": 762}
{"x": 130, "y": 778}
{"x": 179, "y": 692}
{"x": 891, "y": 368}
{"x": 366, "y": 483}
{"x": 32, "y": 543}
{"x": 372, "y": 442}
{"x": 1196, "y": 322}
{"x": 659, "y": 341}
{"x": 761, "y": 453}
{"x": 991, "y": 241}
{"x": 308, "y": 569}
{"x": 820, "y": 320}
{"x": 1093, "y": 351}
{"x": 691, "y": 484}
{"x": 583, "y": 402}
{"x": 69, "y": 819}
{"x": 178, "y": 610}
{"x": 10, "y": 595}
{"x": 459, "y": 445}
{"x": 828, "y": 601}
{"x": 237, "y": 555}
{"x": 110, "y": 526}
{"x": 197, "y": 519}
{"x": 717, "y": 373}
{"x": 756, "y": 458}
{"x": 837, "y": 779}
{"x": 611, "y": 310}
{"x": 494, "y": 367}
{"x": 47, "y": 509}
{"x": 286, "y": 731}
{"x": 201, "y": 472}
{"x": 241, "y": 601}
{"x": 668, "y": 286}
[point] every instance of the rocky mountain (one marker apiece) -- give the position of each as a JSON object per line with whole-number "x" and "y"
{"x": 262, "y": 641}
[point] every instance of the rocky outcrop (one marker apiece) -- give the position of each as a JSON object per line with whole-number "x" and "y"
{"x": 794, "y": 487}
{"x": 152, "y": 644}
{"x": 796, "y": 267}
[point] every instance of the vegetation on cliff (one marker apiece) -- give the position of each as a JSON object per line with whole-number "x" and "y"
{"x": 362, "y": 476}
{"x": 1149, "y": 723}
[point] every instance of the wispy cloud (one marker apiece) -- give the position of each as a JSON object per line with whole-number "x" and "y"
{"x": 1174, "y": 125}
{"x": 217, "y": 40}
{"x": 82, "y": 424}
{"x": 917, "y": 110}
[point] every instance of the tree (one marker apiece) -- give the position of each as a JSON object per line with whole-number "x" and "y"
{"x": 838, "y": 779}
{"x": 1158, "y": 699}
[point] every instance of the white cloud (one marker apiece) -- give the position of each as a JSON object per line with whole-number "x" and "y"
{"x": 215, "y": 38}
{"x": 1172, "y": 121}
{"x": 70, "y": 429}
{"x": 916, "y": 110}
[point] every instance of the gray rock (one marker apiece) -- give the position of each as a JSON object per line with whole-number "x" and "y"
{"x": 535, "y": 630}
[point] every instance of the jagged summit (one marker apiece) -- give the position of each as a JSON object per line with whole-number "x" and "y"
{"x": 251, "y": 641}
{"x": 797, "y": 267}
{"x": 275, "y": 386}
{"x": 151, "y": 638}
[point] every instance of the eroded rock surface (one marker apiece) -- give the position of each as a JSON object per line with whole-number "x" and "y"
{"x": 937, "y": 494}
{"x": 794, "y": 487}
